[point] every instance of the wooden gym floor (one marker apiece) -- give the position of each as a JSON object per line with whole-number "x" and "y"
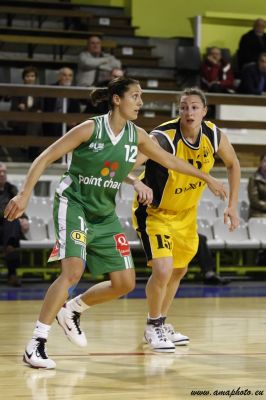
{"x": 227, "y": 352}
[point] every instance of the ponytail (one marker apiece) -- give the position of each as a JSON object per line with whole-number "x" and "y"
{"x": 117, "y": 86}
{"x": 99, "y": 96}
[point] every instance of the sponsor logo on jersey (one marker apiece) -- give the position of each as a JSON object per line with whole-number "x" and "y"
{"x": 109, "y": 168}
{"x": 205, "y": 152}
{"x": 108, "y": 171}
{"x": 122, "y": 244}
{"x": 98, "y": 181}
{"x": 78, "y": 237}
{"x": 96, "y": 146}
{"x": 55, "y": 252}
{"x": 191, "y": 186}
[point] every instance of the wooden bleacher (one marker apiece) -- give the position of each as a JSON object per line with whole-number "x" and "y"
{"x": 49, "y": 47}
{"x": 140, "y": 55}
{"x": 149, "y": 118}
{"x": 59, "y": 45}
{"x": 109, "y": 24}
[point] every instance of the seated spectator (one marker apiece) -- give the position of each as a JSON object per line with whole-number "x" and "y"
{"x": 257, "y": 198}
{"x": 94, "y": 65}
{"x": 257, "y": 190}
{"x": 216, "y": 74}
{"x": 10, "y": 231}
{"x": 207, "y": 264}
{"x": 53, "y": 104}
{"x": 115, "y": 73}
{"x": 102, "y": 108}
{"x": 252, "y": 44}
{"x": 253, "y": 77}
{"x": 27, "y": 104}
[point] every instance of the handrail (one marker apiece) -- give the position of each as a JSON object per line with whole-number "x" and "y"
{"x": 52, "y": 41}
{"x": 69, "y": 118}
{"x": 45, "y": 12}
{"x": 169, "y": 96}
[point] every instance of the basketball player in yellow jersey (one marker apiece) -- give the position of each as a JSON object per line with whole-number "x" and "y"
{"x": 168, "y": 227}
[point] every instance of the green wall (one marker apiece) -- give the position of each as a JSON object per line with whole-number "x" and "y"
{"x": 171, "y": 18}
{"x": 225, "y": 29}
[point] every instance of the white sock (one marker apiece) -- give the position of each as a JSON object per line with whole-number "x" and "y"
{"x": 77, "y": 305}
{"x": 150, "y": 320}
{"x": 153, "y": 319}
{"x": 41, "y": 330}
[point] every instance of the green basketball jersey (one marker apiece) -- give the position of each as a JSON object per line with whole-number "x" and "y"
{"x": 97, "y": 168}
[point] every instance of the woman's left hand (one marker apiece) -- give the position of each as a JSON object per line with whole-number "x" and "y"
{"x": 145, "y": 193}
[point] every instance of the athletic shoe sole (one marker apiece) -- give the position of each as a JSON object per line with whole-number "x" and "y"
{"x": 184, "y": 342}
{"x": 159, "y": 349}
{"x": 27, "y": 361}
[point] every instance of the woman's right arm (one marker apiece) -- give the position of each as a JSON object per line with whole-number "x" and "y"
{"x": 58, "y": 149}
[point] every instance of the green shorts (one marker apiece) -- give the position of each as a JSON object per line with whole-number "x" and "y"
{"x": 102, "y": 244}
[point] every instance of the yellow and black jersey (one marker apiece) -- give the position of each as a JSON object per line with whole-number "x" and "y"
{"x": 172, "y": 190}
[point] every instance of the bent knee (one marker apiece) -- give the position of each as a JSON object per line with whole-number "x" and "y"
{"x": 179, "y": 273}
{"x": 72, "y": 277}
{"x": 124, "y": 287}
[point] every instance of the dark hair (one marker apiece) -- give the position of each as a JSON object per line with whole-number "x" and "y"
{"x": 118, "y": 86}
{"x": 261, "y": 159}
{"x": 28, "y": 70}
{"x": 196, "y": 92}
{"x": 94, "y": 35}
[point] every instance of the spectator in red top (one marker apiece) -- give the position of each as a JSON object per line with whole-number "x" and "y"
{"x": 216, "y": 74}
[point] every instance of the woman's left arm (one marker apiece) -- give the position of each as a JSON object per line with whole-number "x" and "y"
{"x": 227, "y": 153}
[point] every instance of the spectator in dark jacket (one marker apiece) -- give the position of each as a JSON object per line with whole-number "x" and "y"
{"x": 27, "y": 104}
{"x": 252, "y": 44}
{"x": 10, "y": 231}
{"x": 65, "y": 78}
{"x": 257, "y": 199}
{"x": 257, "y": 191}
{"x": 216, "y": 74}
{"x": 253, "y": 77}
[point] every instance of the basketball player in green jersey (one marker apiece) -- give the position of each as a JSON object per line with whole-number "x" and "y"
{"x": 168, "y": 227}
{"x": 103, "y": 151}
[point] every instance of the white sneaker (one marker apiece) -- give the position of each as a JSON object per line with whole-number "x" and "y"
{"x": 176, "y": 337}
{"x": 155, "y": 336}
{"x": 35, "y": 354}
{"x": 70, "y": 322}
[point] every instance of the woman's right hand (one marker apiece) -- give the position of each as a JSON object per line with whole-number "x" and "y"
{"x": 16, "y": 207}
{"x": 217, "y": 188}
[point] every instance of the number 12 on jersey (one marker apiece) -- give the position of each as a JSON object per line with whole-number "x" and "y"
{"x": 131, "y": 153}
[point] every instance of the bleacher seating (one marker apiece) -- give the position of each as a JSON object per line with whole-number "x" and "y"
{"x": 53, "y": 37}
{"x": 206, "y": 228}
{"x": 37, "y": 237}
{"x": 41, "y": 207}
{"x": 257, "y": 230}
{"x": 249, "y": 237}
{"x": 237, "y": 239}
{"x": 50, "y": 229}
{"x": 207, "y": 209}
